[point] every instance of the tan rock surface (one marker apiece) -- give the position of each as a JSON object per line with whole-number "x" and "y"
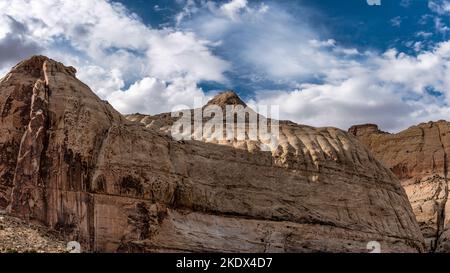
{"x": 419, "y": 158}
{"x": 324, "y": 155}
{"x": 77, "y": 165}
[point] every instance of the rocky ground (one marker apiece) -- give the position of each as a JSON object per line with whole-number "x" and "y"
{"x": 17, "y": 236}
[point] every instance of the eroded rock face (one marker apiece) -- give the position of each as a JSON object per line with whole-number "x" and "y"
{"x": 337, "y": 179}
{"x": 72, "y": 162}
{"x": 419, "y": 158}
{"x": 15, "y": 102}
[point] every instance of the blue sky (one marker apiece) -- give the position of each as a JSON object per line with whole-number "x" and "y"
{"x": 351, "y": 23}
{"x": 324, "y": 62}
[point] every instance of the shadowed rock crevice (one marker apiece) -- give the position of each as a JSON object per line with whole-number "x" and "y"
{"x": 29, "y": 190}
{"x": 15, "y": 102}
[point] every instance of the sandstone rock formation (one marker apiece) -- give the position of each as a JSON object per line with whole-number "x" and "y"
{"x": 312, "y": 151}
{"x": 72, "y": 162}
{"x": 418, "y": 156}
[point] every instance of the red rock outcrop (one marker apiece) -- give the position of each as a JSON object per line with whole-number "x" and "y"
{"x": 418, "y": 156}
{"x": 72, "y": 162}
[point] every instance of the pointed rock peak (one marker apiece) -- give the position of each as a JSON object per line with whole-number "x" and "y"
{"x": 226, "y": 98}
{"x": 32, "y": 65}
{"x": 35, "y": 66}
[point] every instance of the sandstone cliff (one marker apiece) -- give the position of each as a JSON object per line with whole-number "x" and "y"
{"x": 72, "y": 162}
{"x": 418, "y": 156}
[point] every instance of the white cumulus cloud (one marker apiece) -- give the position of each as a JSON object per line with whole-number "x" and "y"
{"x": 110, "y": 46}
{"x": 142, "y": 69}
{"x": 393, "y": 90}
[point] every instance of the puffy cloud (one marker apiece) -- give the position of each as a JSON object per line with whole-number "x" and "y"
{"x": 439, "y": 6}
{"x": 111, "y": 47}
{"x": 264, "y": 41}
{"x": 104, "y": 82}
{"x": 353, "y": 101}
{"x": 320, "y": 82}
{"x": 393, "y": 90}
{"x": 311, "y": 77}
{"x": 15, "y": 42}
{"x": 232, "y": 8}
{"x": 178, "y": 54}
{"x": 428, "y": 69}
{"x": 153, "y": 96}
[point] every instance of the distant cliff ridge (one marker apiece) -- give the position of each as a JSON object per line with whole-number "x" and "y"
{"x": 418, "y": 156}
